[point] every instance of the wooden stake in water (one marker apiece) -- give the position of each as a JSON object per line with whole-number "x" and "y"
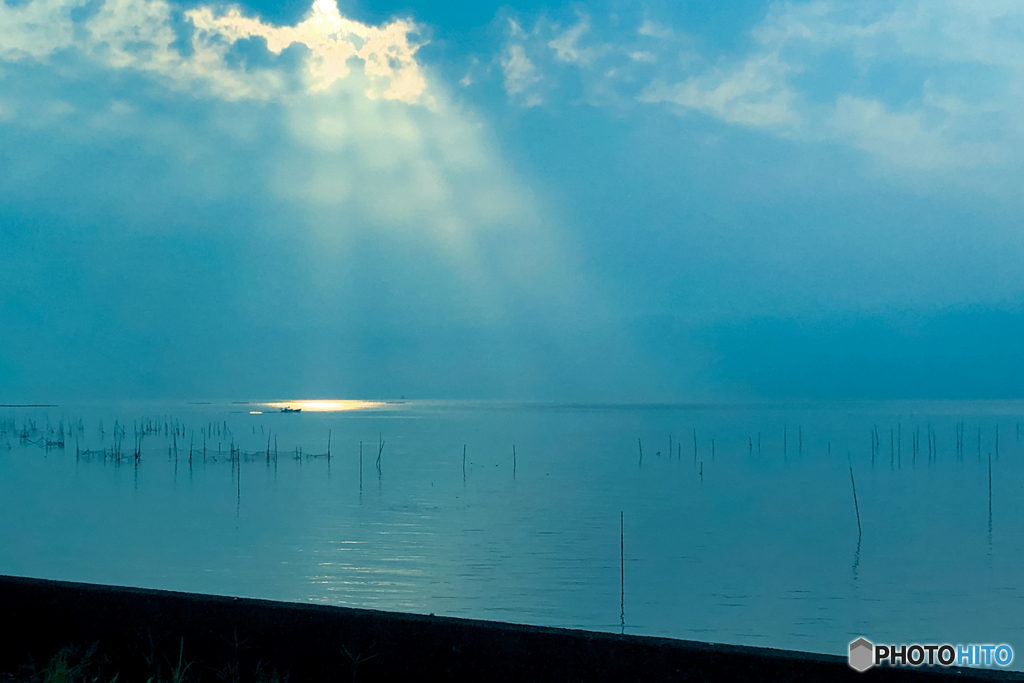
{"x": 990, "y": 491}
{"x": 856, "y": 508}
{"x": 641, "y": 446}
{"x": 463, "y": 463}
{"x": 622, "y": 572}
{"x": 513, "y": 461}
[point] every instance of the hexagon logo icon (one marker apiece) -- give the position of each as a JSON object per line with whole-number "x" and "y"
{"x": 862, "y": 654}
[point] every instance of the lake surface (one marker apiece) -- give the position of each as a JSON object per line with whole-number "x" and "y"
{"x": 743, "y": 530}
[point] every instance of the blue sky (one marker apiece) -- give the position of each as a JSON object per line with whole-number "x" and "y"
{"x": 606, "y": 201}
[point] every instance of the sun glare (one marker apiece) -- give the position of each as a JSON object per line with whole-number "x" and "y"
{"x": 326, "y": 406}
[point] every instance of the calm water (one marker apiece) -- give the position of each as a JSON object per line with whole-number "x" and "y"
{"x": 752, "y": 539}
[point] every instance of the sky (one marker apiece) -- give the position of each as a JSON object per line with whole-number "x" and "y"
{"x": 660, "y": 202}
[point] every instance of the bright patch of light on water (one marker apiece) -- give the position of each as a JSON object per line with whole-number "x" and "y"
{"x": 327, "y": 406}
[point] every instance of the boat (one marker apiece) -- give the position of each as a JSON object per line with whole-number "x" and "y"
{"x": 291, "y": 410}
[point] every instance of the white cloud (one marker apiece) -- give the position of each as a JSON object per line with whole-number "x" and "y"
{"x": 565, "y": 45}
{"x": 922, "y": 85}
{"x": 538, "y": 61}
{"x": 905, "y": 139}
{"x": 754, "y": 94}
{"x": 387, "y": 55}
{"x": 137, "y": 34}
{"x": 520, "y": 73}
{"x": 643, "y": 56}
{"x": 654, "y": 30}
{"x": 34, "y": 29}
{"x": 958, "y": 68}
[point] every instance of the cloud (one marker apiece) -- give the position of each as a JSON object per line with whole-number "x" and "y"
{"x": 565, "y": 45}
{"x": 140, "y": 35}
{"x": 551, "y": 63}
{"x": 887, "y": 80}
{"x": 917, "y": 87}
{"x": 520, "y": 74}
{"x": 386, "y": 52}
{"x": 754, "y": 94}
{"x": 907, "y": 139}
{"x": 642, "y": 56}
{"x": 654, "y": 30}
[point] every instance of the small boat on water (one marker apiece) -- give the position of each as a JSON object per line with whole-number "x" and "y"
{"x": 291, "y": 410}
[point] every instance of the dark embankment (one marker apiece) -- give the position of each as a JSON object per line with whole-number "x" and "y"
{"x": 135, "y": 628}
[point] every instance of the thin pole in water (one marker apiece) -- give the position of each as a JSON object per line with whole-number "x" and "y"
{"x": 622, "y": 572}
{"x": 856, "y": 508}
{"x": 990, "y": 501}
{"x": 990, "y": 489}
{"x": 513, "y": 461}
